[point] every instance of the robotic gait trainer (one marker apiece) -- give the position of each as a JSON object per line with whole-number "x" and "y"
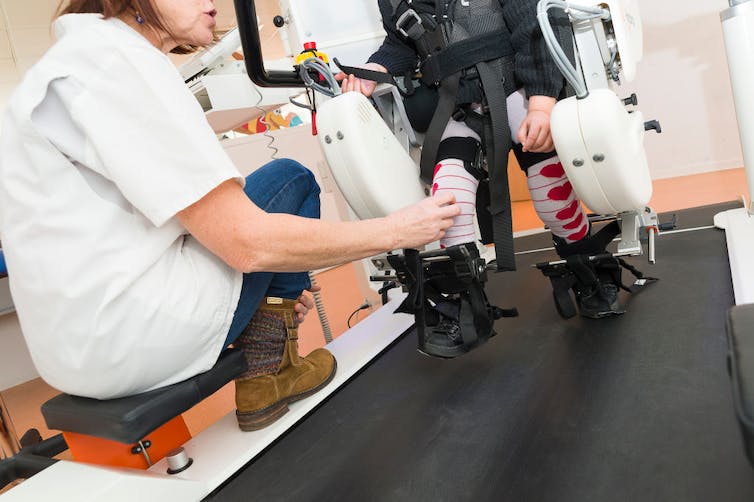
{"x": 597, "y": 134}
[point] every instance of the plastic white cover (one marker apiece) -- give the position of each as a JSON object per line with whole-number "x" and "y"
{"x": 373, "y": 171}
{"x": 599, "y": 127}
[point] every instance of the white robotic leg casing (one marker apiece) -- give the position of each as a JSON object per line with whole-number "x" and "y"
{"x": 601, "y": 147}
{"x": 373, "y": 171}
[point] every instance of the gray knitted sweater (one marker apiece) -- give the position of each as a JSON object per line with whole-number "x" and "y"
{"x": 534, "y": 69}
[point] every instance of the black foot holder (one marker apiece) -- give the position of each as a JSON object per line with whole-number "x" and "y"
{"x": 595, "y": 281}
{"x": 446, "y": 296}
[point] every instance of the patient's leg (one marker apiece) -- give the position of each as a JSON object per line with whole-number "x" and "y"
{"x": 594, "y": 283}
{"x": 451, "y": 174}
{"x": 554, "y": 200}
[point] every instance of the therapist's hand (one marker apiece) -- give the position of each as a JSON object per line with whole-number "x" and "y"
{"x": 305, "y": 303}
{"x": 534, "y": 133}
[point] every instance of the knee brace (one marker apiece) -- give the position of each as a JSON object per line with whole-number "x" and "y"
{"x": 467, "y": 149}
{"x": 470, "y": 151}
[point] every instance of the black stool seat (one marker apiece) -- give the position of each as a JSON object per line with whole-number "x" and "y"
{"x": 129, "y": 419}
{"x": 740, "y": 329}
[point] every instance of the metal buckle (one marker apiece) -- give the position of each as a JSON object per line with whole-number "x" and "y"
{"x": 402, "y": 19}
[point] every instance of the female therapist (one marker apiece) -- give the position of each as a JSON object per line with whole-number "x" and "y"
{"x": 136, "y": 250}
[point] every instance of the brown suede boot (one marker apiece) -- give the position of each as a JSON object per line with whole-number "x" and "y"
{"x": 277, "y": 375}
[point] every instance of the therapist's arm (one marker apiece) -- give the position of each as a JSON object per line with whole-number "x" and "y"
{"x": 248, "y": 239}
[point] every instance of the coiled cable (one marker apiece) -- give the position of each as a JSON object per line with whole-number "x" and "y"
{"x": 319, "y": 67}
{"x": 579, "y": 13}
{"x": 323, "y": 321}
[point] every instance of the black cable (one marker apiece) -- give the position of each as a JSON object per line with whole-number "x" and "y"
{"x": 363, "y": 306}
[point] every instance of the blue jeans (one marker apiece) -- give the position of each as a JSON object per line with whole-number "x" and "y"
{"x": 281, "y": 186}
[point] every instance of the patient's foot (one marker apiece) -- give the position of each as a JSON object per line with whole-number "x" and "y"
{"x": 599, "y": 301}
{"x": 444, "y": 340}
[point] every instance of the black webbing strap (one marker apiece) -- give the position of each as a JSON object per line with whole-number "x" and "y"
{"x": 561, "y": 293}
{"x": 528, "y": 159}
{"x": 498, "y": 142}
{"x": 407, "y": 21}
{"x": 464, "y": 54}
{"x": 420, "y": 27}
{"x": 466, "y": 149}
{"x": 380, "y": 77}
{"x": 593, "y": 245}
{"x": 583, "y": 270}
{"x": 446, "y": 104}
{"x": 467, "y": 320}
{"x": 412, "y": 273}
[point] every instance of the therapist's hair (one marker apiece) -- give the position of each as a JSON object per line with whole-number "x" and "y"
{"x": 114, "y": 8}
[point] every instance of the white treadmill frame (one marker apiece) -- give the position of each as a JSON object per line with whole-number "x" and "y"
{"x": 738, "y": 33}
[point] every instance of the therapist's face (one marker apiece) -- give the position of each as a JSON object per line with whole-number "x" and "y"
{"x": 190, "y": 22}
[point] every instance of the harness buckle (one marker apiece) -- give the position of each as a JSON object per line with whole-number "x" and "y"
{"x": 405, "y": 18}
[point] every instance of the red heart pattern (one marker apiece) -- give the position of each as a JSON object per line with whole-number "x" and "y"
{"x": 563, "y": 192}
{"x": 553, "y": 171}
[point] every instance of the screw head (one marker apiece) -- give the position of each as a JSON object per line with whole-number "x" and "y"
{"x": 578, "y": 162}
{"x": 328, "y": 139}
{"x": 598, "y": 157}
{"x": 339, "y": 135}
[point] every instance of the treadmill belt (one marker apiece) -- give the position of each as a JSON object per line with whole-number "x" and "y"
{"x": 632, "y": 408}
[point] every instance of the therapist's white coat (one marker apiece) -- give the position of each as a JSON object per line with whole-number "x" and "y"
{"x": 102, "y": 145}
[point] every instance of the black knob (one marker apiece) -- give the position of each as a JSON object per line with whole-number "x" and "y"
{"x": 653, "y": 124}
{"x": 278, "y": 21}
{"x": 631, "y": 100}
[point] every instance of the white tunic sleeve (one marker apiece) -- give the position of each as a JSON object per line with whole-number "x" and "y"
{"x": 148, "y": 135}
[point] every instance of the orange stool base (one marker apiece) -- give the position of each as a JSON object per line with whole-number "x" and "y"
{"x": 96, "y": 450}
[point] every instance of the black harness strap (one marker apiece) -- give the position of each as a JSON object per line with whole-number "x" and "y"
{"x": 461, "y": 55}
{"x": 421, "y": 27}
{"x": 446, "y": 104}
{"x": 498, "y": 143}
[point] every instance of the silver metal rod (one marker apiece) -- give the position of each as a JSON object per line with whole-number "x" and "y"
{"x": 144, "y": 452}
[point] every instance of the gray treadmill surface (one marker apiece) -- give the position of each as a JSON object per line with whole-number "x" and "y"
{"x": 632, "y": 408}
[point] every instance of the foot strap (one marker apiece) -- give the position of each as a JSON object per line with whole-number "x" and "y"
{"x": 447, "y": 285}
{"x": 583, "y": 271}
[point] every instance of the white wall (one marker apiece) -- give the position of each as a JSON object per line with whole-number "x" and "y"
{"x": 24, "y": 36}
{"x": 683, "y": 82}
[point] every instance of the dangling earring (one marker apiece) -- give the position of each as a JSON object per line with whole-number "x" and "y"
{"x": 138, "y": 17}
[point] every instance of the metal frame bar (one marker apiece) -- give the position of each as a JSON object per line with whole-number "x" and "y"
{"x": 246, "y": 14}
